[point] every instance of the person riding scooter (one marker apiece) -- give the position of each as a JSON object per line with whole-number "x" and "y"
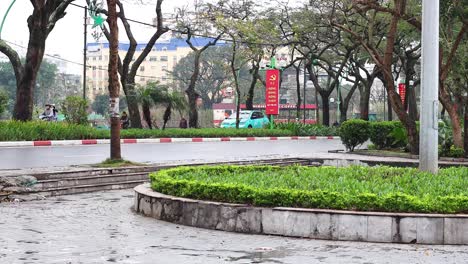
{"x": 48, "y": 114}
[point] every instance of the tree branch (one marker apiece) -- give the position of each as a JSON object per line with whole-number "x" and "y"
{"x": 58, "y": 12}
{"x": 14, "y": 59}
{"x": 445, "y": 67}
{"x": 159, "y": 32}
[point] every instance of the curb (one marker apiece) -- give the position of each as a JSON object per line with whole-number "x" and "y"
{"x": 43, "y": 143}
{"x": 439, "y": 229}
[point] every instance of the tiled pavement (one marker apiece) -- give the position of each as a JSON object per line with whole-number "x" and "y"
{"x": 101, "y": 228}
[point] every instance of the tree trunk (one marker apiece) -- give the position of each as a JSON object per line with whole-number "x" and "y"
{"x": 251, "y": 93}
{"x": 394, "y": 99}
{"x": 364, "y": 101}
{"x": 167, "y": 115}
{"x": 412, "y": 103}
{"x": 40, "y": 23}
{"x": 343, "y": 113}
{"x": 317, "y": 112}
{"x": 128, "y": 86}
{"x": 345, "y": 103}
{"x": 192, "y": 95}
{"x": 389, "y": 109}
{"x": 466, "y": 128}
{"x": 25, "y": 89}
{"x": 114, "y": 89}
{"x": 325, "y": 109}
{"x": 410, "y": 124}
{"x": 454, "y": 117}
{"x": 298, "y": 91}
{"x": 147, "y": 114}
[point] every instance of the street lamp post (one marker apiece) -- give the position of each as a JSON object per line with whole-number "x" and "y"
{"x": 85, "y": 49}
{"x": 428, "y": 158}
{"x": 338, "y": 101}
{"x": 304, "y": 93}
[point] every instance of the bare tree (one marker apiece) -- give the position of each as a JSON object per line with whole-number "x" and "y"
{"x": 128, "y": 67}
{"x": 191, "y": 23}
{"x": 40, "y": 23}
{"x": 114, "y": 87}
{"x": 384, "y": 61}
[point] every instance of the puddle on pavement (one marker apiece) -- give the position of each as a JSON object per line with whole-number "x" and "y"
{"x": 264, "y": 255}
{"x": 112, "y": 200}
{"x": 27, "y": 242}
{"x": 32, "y": 230}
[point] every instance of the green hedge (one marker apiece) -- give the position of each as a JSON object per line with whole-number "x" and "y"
{"x": 299, "y": 129}
{"x": 19, "y": 131}
{"x": 381, "y": 134}
{"x": 353, "y": 188}
{"x": 354, "y": 132}
{"x": 203, "y": 132}
{"x": 38, "y": 130}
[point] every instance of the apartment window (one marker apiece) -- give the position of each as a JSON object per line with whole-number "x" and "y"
{"x": 163, "y": 58}
{"x": 153, "y": 58}
{"x": 142, "y": 79}
{"x": 164, "y": 78}
{"x": 164, "y": 68}
{"x": 94, "y": 58}
{"x": 164, "y": 49}
{"x": 142, "y": 68}
{"x": 100, "y": 58}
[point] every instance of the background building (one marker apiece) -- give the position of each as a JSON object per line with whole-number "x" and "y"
{"x": 156, "y": 66}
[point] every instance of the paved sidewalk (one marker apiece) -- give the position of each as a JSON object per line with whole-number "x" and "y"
{"x": 101, "y": 228}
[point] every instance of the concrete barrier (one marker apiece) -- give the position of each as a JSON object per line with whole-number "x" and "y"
{"x": 307, "y": 223}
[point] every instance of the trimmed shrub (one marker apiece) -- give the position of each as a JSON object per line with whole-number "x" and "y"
{"x": 456, "y": 152}
{"x": 398, "y": 137}
{"x": 3, "y": 101}
{"x": 300, "y": 129}
{"x": 74, "y": 109}
{"x": 354, "y": 133}
{"x": 353, "y": 188}
{"x": 381, "y": 133}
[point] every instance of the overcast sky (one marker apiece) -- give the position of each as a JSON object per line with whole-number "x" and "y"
{"x": 67, "y": 37}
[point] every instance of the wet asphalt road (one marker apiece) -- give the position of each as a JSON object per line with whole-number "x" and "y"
{"x": 101, "y": 228}
{"x": 35, "y": 157}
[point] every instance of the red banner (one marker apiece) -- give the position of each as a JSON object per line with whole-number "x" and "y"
{"x": 402, "y": 92}
{"x": 272, "y": 92}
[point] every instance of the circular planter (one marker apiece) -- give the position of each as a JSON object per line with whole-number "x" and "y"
{"x": 308, "y": 223}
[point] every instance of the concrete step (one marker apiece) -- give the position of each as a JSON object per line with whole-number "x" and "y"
{"x": 91, "y": 180}
{"x": 87, "y": 188}
{"x": 99, "y": 179}
{"x": 94, "y": 171}
{"x": 109, "y": 171}
{"x": 123, "y": 175}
